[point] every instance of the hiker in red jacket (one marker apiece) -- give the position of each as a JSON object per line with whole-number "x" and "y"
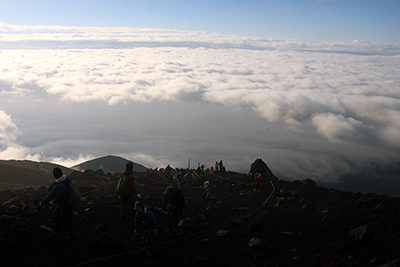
{"x": 258, "y": 182}
{"x": 151, "y": 173}
{"x": 128, "y": 200}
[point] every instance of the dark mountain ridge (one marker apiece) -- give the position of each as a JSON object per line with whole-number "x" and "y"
{"x": 108, "y": 163}
{"x": 24, "y": 173}
{"x": 16, "y": 174}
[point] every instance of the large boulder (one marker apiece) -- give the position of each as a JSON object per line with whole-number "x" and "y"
{"x": 260, "y": 166}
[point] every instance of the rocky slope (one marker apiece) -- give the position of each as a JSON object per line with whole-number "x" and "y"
{"x": 298, "y": 224}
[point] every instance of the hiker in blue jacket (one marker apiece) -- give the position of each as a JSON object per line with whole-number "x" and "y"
{"x": 145, "y": 225}
{"x": 174, "y": 203}
{"x": 62, "y": 214}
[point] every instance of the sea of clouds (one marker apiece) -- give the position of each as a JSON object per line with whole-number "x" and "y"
{"x": 316, "y": 109}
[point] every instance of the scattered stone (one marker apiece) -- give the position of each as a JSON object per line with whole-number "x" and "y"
{"x": 288, "y": 234}
{"x": 256, "y": 243}
{"x": 15, "y": 201}
{"x": 221, "y": 232}
{"x": 362, "y": 233}
{"x": 46, "y": 228}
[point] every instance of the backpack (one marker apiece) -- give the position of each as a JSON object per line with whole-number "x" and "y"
{"x": 153, "y": 210}
{"x": 258, "y": 178}
{"x": 122, "y": 186}
{"x": 74, "y": 196}
{"x": 180, "y": 197}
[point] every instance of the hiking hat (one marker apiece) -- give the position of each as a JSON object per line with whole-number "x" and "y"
{"x": 57, "y": 172}
{"x": 138, "y": 205}
{"x": 169, "y": 190}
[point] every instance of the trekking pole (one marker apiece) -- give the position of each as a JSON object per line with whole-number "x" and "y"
{"x": 163, "y": 211}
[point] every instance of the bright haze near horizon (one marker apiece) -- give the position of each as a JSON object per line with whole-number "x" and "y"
{"x": 310, "y": 87}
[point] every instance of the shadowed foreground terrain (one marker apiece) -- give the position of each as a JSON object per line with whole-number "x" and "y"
{"x": 300, "y": 225}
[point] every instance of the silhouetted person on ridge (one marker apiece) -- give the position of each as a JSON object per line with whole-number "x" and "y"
{"x": 220, "y": 165}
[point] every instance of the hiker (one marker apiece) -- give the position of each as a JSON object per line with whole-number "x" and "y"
{"x": 174, "y": 203}
{"x": 258, "y": 182}
{"x": 211, "y": 171}
{"x": 189, "y": 179}
{"x": 216, "y": 166}
{"x": 62, "y": 214}
{"x": 168, "y": 172}
{"x": 145, "y": 225}
{"x": 128, "y": 196}
{"x": 156, "y": 173}
{"x": 195, "y": 176}
{"x": 220, "y": 165}
{"x": 179, "y": 178}
{"x": 208, "y": 185}
{"x": 164, "y": 176}
{"x": 151, "y": 173}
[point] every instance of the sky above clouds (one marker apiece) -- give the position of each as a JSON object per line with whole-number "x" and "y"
{"x": 338, "y": 20}
{"x": 161, "y": 83}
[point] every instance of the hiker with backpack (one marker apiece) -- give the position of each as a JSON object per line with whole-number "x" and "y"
{"x": 208, "y": 185}
{"x": 179, "y": 178}
{"x": 258, "y": 180}
{"x": 174, "y": 202}
{"x": 62, "y": 214}
{"x": 126, "y": 189}
{"x": 146, "y": 225}
{"x": 188, "y": 179}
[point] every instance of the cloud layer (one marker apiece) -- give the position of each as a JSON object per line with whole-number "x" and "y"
{"x": 308, "y": 108}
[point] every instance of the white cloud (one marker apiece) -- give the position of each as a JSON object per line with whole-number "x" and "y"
{"x": 341, "y": 95}
{"x": 9, "y": 134}
{"x": 69, "y": 162}
{"x": 8, "y": 130}
{"x": 335, "y": 127}
{"x": 391, "y": 136}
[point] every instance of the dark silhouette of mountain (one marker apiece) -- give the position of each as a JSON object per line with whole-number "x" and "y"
{"x": 24, "y": 173}
{"x": 108, "y": 164}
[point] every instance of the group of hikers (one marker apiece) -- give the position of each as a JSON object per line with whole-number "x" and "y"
{"x": 185, "y": 177}
{"x": 144, "y": 217}
{"x": 132, "y": 207}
